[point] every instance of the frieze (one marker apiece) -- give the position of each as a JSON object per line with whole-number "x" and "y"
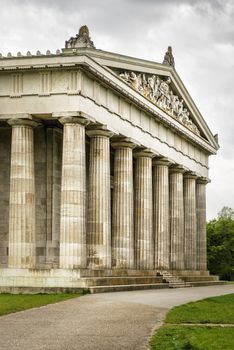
{"x": 159, "y": 92}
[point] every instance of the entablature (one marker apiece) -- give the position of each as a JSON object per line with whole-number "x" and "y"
{"x": 103, "y": 75}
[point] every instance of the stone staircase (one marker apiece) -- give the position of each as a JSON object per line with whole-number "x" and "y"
{"x": 115, "y": 280}
{"x": 181, "y": 279}
{"x": 123, "y": 283}
{"x": 201, "y": 281}
{"x": 172, "y": 280}
{"x": 101, "y": 281}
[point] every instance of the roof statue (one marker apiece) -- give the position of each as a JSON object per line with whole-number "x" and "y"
{"x": 169, "y": 58}
{"x": 82, "y": 39}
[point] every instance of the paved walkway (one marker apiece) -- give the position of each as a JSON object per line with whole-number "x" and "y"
{"x": 111, "y": 321}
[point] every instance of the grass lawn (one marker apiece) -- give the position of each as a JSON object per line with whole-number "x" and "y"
{"x": 193, "y": 338}
{"x": 214, "y": 310}
{"x": 211, "y": 310}
{"x": 17, "y": 302}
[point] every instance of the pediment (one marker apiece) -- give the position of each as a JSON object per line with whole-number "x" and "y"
{"x": 149, "y": 79}
{"x": 158, "y": 89}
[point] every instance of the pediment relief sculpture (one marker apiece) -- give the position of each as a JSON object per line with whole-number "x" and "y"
{"x": 158, "y": 91}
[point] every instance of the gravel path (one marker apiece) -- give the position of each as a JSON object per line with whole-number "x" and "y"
{"x": 108, "y": 321}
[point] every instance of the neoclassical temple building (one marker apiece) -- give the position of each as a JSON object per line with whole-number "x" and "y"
{"x": 103, "y": 172}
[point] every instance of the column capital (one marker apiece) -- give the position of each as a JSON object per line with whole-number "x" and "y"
{"x": 190, "y": 175}
{"x": 23, "y": 122}
{"x": 74, "y": 120}
{"x": 124, "y": 142}
{"x": 203, "y": 180}
{"x": 146, "y": 152}
{"x": 176, "y": 168}
{"x": 99, "y": 130}
{"x": 162, "y": 161}
{"x": 72, "y": 114}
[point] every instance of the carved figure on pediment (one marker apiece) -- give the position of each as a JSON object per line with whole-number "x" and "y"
{"x": 196, "y": 129}
{"x": 190, "y": 125}
{"x": 135, "y": 80}
{"x": 144, "y": 82}
{"x": 124, "y": 76}
{"x": 174, "y": 103}
{"x": 164, "y": 93}
{"x": 185, "y": 116}
{"x": 143, "y": 85}
{"x": 180, "y": 109}
{"x": 154, "y": 83}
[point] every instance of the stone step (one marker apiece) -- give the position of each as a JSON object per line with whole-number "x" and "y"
{"x": 179, "y": 285}
{"x": 107, "y": 281}
{"x": 199, "y": 278}
{"x": 188, "y": 273}
{"x": 116, "y": 273}
{"x": 207, "y": 283}
{"x": 128, "y": 287}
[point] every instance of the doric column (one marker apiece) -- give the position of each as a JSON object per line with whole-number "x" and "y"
{"x": 176, "y": 204}
{"x": 22, "y": 237}
{"x": 201, "y": 224}
{"x": 99, "y": 206}
{"x": 122, "y": 208}
{"x": 54, "y": 151}
{"x": 73, "y": 194}
{"x": 144, "y": 210}
{"x": 161, "y": 213}
{"x": 190, "y": 222}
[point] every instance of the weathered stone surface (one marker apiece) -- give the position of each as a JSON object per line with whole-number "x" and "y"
{"x": 201, "y": 224}
{"x": 144, "y": 210}
{"x": 54, "y": 141}
{"x": 73, "y": 191}
{"x": 122, "y": 208}
{"x": 99, "y": 210}
{"x": 5, "y": 159}
{"x": 22, "y": 225}
{"x": 40, "y": 195}
{"x": 161, "y": 213}
{"x": 190, "y": 223}
{"x": 177, "y": 218}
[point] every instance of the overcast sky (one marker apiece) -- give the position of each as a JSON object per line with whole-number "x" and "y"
{"x": 201, "y": 33}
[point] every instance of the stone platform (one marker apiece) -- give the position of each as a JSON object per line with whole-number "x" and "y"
{"x": 96, "y": 281}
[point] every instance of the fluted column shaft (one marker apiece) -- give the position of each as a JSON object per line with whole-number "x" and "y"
{"x": 99, "y": 206}
{"x": 22, "y": 237}
{"x": 161, "y": 213}
{"x": 73, "y": 195}
{"x": 144, "y": 242}
{"x": 122, "y": 209}
{"x": 190, "y": 222}
{"x": 201, "y": 224}
{"x": 176, "y": 204}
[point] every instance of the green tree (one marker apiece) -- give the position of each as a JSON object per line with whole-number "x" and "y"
{"x": 220, "y": 244}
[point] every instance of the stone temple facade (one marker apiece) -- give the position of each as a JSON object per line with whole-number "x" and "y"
{"x": 103, "y": 171}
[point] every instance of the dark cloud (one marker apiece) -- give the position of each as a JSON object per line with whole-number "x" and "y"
{"x": 200, "y": 31}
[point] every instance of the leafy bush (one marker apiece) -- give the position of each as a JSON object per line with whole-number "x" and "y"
{"x": 220, "y": 244}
